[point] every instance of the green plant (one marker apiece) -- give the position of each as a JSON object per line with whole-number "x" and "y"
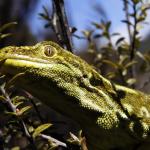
{"x": 5, "y": 27}
{"x": 121, "y": 59}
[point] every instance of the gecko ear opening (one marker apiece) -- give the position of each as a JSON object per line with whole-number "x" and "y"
{"x": 49, "y": 51}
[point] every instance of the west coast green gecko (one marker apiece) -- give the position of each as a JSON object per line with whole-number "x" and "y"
{"x": 112, "y": 117}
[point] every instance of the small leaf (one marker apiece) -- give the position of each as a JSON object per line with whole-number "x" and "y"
{"x": 40, "y": 129}
{"x": 87, "y": 34}
{"x": 15, "y": 148}
{"x": 23, "y": 110}
{"x": 120, "y": 40}
{"x": 44, "y": 16}
{"x": 106, "y": 34}
{"x": 46, "y": 11}
{"x": 73, "y": 29}
{"x": 111, "y": 75}
{"x": 53, "y": 147}
{"x": 2, "y": 98}
{"x": 140, "y": 19}
{"x": 140, "y": 55}
{"x": 131, "y": 81}
{"x": 115, "y": 34}
{"x": 47, "y": 25}
{"x": 11, "y": 113}
{"x": 147, "y": 57}
{"x": 135, "y": 1}
{"x": 17, "y": 104}
{"x": 30, "y": 129}
{"x": 123, "y": 59}
{"x": 97, "y": 36}
{"x": 124, "y": 72}
{"x": 5, "y": 35}
{"x": 108, "y": 24}
{"x": 114, "y": 65}
{"x": 127, "y": 22}
{"x": 13, "y": 79}
{"x": 5, "y": 26}
{"x": 130, "y": 64}
{"x": 17, "y": 99}
{"x": 98, "y": 26}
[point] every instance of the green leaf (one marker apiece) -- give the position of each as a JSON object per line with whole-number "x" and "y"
{"x": 123, "y": 58}
{"x": 17, "y": 99}
{"x": 111, "y": 75}
{"x": 147, "y": 57}
{"x": 140, "y": 55}
{"x": 40, "y": 129}
{"x": 5, "y": 35}
{"x": 13, "y": 79}
{"x": 46, "y": 11}
{"x": 140, "y": 19}
{"x": 2, "y": 98}
{"x": 108, "y": 24}
{"x": 130, "y": 64}
{"x": 131, "y": 81}
{"x": 7, "y": 25}
{"x": 115, "y": 34}
{"x": 11, "y": 113}
{"x": 114, "y": 65}
{"x": 137, "y": 41}
{"x": 124, "y": 72}
{"x": 44, "y": 16}
{"x": 98, "y": 26}
{"x": 127, "y": 22}
{"x": 87, "y": 34}
{"x": 15, "y": 148}
{"x": 54, "y": 147}
{"x": 97, "y": 36}
{"x": 106, "y": 34}
{"x": 23, "y": 110}
{"x": 119, "y": 40}
{"x": 17, "y": 104}
{"x": 136, "y": 1}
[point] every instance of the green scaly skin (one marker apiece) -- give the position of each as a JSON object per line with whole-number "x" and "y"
{"x": 111, "y": 116}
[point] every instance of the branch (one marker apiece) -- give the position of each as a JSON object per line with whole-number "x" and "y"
{"x": 57, "y": 142}
{"x": 14, "y": 109}
{"x": 61, "y": 26}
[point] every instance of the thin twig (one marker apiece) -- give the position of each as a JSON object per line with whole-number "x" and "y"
{"x": 32, "y": 98}
{"x": 8, "y": 100}
{"x": 128, "y": 19}
{"x": 133, "y": 41}
{"x": 57, "y": 142}
{"x": 13, "y": 109}
{"x": 132, "y": 54}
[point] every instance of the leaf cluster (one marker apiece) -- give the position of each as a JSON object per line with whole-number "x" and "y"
{"x": 4, "y": 27}
{"x": 120, "y": 61}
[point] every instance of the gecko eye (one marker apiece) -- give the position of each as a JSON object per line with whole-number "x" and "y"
{"x": 49, "y": 51}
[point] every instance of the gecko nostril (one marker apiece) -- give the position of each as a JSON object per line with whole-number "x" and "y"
{"x": 85, "y": 76}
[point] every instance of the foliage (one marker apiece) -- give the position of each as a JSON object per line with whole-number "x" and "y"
{"x": 121, "y": 61}
{"x": 23, "y": 126}
{"x": 3, "y": 28}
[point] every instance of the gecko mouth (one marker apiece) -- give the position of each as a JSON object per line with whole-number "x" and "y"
{"x": 22, "y": 62}
{"x": 25, "y": 58}
{"x": 2, "y": 61}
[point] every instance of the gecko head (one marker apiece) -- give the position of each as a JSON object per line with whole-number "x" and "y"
{"x": 48, "y": 68}
{"x": 45, "y": 59}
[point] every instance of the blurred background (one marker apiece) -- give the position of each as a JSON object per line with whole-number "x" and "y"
{"x": 30, "y": 28}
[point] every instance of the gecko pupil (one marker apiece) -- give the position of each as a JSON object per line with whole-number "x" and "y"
{"x": 49, "y": 51}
